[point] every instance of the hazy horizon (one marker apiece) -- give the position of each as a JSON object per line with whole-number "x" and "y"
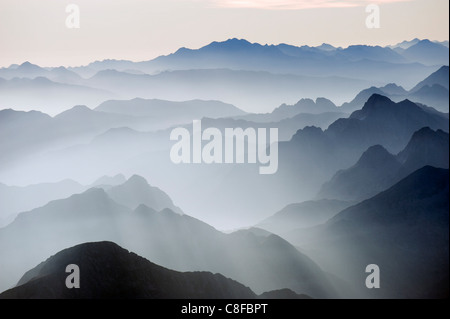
{"x": 138, "y": 31}
{"x": 196, "y": 48}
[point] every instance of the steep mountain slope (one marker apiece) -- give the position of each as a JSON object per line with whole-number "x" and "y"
{"x": 384, "y": 122}
{"x": 315, "y": 155}
{"x": 427, "y": 52}
{"x": 378, "y": 170}
{"x": 440, "y": 77}
{"x": 109, "y": 271}
{"x": 427, "y": 147}
{"x": 404, "y": 230}
{"x": 374, "y": 172}
{"x": 175, "y": 241}
{"x": 432, "y": 91}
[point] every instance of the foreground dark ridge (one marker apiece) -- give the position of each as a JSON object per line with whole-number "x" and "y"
{"x": 109, "y": 271}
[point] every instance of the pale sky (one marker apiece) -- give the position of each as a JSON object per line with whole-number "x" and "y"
{"x": 35, "y": 30}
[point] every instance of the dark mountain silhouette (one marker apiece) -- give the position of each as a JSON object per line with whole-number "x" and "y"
{"x": 404, "y": 230}
{"x": 313, "y": 156}
{"x": 175, "y": 241}
{"x": 302, "y": 215}
{"x": 378, "y": 170}
{"x": 380, "y": 121}
{"x": 109, "y": 271}
{"x": 385, "y": 122}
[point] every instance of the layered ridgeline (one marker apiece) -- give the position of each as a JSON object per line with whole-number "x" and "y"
{"x": 255, "y": 77}
{"x": 378, "y": 170}
{"x": 260, "y": 260}
{"x": 432, "y": 91}
{"x": 231, "y": 194}
{"x": 313, "y": 155}
{"x": 131, "y": 193}
{"x": 36, "y": 132}
{"x": 109, "y": 271}
{"x": 403, "y": 230}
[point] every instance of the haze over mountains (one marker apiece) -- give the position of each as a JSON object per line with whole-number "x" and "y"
{"x": 427, "y": 147}
{"x": 433, "y": 91}
{"x": 173, "y": 240}
{"x": 111, "y": 272}
{"x": 362, "y": 174}
{"x": 403, "y": 229}
{"x": 47, "y": 280}
{"x": 315, "y": 155}
{"x": 254, "y": 77}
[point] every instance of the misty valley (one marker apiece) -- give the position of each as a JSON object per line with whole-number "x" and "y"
{"x": 233, "y": 171}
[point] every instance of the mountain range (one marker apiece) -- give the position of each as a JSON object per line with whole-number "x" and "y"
{"x": 404, "y": 230}
{"x": 307, "y": 158}
{"x": 432, "y": 91}
{"x": 377, "y": 169}
{"x": 242, "y": 55}
{"x": 362, "y": 157}
{"x": 234, "y": 71}
{"x": 111, "y": 272}
{"x": 316, "y": 155}
{"x": 172, "y": 240}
